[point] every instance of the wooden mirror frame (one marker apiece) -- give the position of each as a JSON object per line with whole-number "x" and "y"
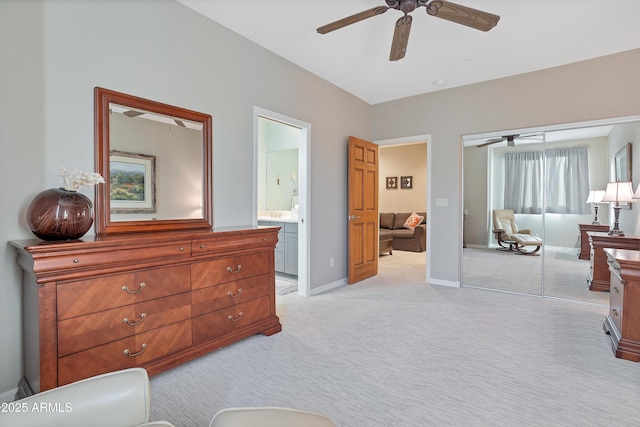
{"x": 103, "y": 224}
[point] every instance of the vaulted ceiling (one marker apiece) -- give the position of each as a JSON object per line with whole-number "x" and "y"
{"x": 531, "y": 35}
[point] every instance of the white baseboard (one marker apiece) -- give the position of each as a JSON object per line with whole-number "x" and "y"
{"x": 328, "y": 286}
{"x": 8, "y": 396}
{"x": 439, "y": 282}
{"x": 481, "y": 246}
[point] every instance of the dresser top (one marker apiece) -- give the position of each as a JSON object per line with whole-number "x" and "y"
{"x": 37, "y": 245}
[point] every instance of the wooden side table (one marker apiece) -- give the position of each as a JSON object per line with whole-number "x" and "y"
{"x": 599, "y": 276}
{"x": 584, "y": 251}
{"x": 623, "y": 321}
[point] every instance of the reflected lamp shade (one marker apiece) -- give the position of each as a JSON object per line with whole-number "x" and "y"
{"x": 618, "y": 192}
{"x": 596, "y": 196}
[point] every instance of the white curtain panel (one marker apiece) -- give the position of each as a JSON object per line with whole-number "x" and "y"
{"x": 566, "y": 181}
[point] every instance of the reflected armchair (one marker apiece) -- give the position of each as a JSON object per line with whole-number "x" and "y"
{"x": 504, "y": 226}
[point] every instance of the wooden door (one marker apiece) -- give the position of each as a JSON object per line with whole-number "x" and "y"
{"x": 363, "y": 209}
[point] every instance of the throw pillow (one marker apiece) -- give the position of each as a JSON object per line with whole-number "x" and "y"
{"x": 412, "y": 222}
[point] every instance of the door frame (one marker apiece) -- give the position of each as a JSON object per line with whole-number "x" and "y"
{"x": 418, "y": 139}
{"x": 304, "y": 287}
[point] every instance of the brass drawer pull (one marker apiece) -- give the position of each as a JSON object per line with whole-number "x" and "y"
{"x": 128, "y": 353}
{"x": 126, "y": 289}
{"x": 130, "y": 323}
{"x": 236, "y": 295}
{"x": 235, "y": 319}
{"x": 614, "y": 312}
{"x": 231, "y": 270}
{"x": 202, "y": 246}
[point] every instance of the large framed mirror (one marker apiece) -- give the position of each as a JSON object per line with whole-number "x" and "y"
{"x": 156, "y": 162}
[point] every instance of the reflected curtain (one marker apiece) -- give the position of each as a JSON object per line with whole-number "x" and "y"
{"x": 523, "y": 182}
{"x": 566, "y": 181}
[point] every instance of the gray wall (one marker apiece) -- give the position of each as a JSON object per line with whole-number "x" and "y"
{"x": 55, "y": 52}
{"x": 567, "y": 94}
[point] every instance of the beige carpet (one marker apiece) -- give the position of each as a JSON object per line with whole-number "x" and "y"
{"x": 392, "y": 351}
{"x": 564, "y": 274}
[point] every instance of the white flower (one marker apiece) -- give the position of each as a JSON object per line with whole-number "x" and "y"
{"x": 72, "y": 181}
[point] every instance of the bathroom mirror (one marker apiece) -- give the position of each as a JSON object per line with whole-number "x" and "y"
{"x": 156, "y": 162}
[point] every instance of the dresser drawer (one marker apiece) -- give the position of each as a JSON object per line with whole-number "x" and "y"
{"x": 210, "y": 273}
{"x": 89, "y": 296}
{"x": 94, "y": 258}
{"x": 218, "y": 323}
{"x": 213, "y": 298}
{"x": 141, "y": 348}
{"x": 224, "y": 243}
{"x": 80, "y": 333}
{"x": 616, "y": 299}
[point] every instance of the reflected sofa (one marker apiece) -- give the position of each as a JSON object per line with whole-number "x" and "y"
{"x": 403, "y": 239}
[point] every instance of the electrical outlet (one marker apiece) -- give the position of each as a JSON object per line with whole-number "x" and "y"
{"x": 331, "y": 262}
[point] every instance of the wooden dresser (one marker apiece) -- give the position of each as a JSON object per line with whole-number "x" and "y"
{"x": 623, "y": 321}
{"x": 584, "y": 246}
{"x": 153, "y": 300}
{"x": 599, "y": 275}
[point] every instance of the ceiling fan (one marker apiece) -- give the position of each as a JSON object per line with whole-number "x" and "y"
{"x": 453, "y": 12}
{"x": 134, "y": 113}
{"x": 509, "y": 138}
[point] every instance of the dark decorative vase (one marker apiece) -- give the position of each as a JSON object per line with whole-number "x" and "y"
{"x": 59, "y": 214}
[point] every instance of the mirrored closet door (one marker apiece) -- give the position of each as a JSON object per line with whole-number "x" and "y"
{"x": 543, "y": 179}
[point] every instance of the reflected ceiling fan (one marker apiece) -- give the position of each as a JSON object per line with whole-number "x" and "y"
{"x": 134, "y": 113}
{"x": 511, "y": 139}
{"x": 453, "y": 12}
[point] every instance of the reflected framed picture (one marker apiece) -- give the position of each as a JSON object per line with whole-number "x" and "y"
{"x": 132, "y": 179}
{"x": 622, "y": 168}
{"x": 623, "y": 164}
{"x": 392, "y": 183}
{"x": 406, "y": 182}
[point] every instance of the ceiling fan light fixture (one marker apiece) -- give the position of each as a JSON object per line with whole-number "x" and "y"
{"x": 393, "y": 3}
{"x": 408, "y": 6}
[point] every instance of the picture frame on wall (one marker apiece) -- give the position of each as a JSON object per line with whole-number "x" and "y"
{"x": 133, "y": 186}
{"x": 392, "y": 183}
{"x": 406, "y": 182}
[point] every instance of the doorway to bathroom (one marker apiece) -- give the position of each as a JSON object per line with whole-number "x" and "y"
{"x": 281, "y": 146}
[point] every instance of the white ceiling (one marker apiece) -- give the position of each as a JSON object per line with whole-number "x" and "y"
{"x": 531, "y": 35}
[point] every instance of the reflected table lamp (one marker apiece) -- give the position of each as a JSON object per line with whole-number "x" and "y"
{"x": 616, "y": 193}
{"x": 595, "y": 197}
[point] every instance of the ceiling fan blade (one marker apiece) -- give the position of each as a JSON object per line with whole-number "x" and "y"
{"x": 132, "y": 113}
{"x": 483, "y": 21}
{"x": 491, "y": 141}
{"x": 378, "y": 10}
{"x": 400, "y": 38}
